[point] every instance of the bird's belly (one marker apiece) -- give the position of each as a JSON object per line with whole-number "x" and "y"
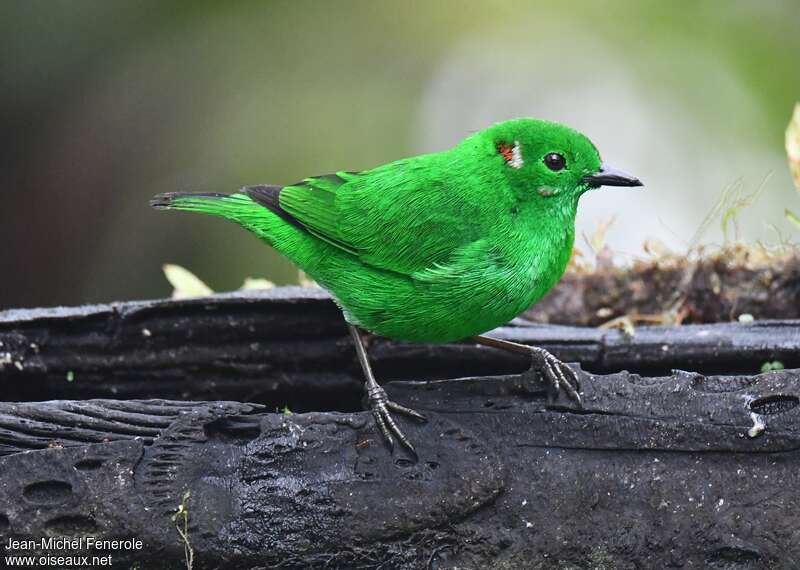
{"x": 447, "y": 303}
{"x": 442, "y": 312}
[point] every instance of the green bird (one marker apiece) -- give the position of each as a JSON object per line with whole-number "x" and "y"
{"x": 434, "y": 248}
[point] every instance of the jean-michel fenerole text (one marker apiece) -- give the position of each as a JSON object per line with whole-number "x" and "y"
{"x": 82, "y": 543}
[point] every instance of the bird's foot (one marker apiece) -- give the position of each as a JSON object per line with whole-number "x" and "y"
{"x": 556, "y": 373}
{"x": 381, "y": 407}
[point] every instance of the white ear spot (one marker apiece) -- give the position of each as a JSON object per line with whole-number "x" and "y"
{"x": 516, "y": 156}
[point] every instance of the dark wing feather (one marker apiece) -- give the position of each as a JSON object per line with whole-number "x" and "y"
{"x": 308, "y": 205}
{"x": 268, "y": 195}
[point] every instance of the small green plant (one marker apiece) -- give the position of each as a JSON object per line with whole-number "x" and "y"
{"x": 792, "y": 217}
{"x": 773, "y": 365}
{"x": 735, "y": 202}
{"x": 181, "y": 520}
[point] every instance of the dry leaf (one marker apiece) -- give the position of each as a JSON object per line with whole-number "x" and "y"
{"x": 655, "y": 247}
{"x": 185, "y": 283}
{"x": 256, "y": 283}
{"x": 598, "y": 239}
{"x": 304, "y": 280}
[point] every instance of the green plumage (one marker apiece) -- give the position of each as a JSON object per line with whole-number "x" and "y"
{"x": 433, "y": 248}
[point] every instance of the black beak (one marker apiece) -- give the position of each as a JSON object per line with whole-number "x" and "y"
{"x": 608, "y": 176}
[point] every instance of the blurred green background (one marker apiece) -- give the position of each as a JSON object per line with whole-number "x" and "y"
{"x": 104, "y": 104}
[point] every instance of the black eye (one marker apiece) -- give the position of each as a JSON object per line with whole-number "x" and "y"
{"x": 555, "y": 161}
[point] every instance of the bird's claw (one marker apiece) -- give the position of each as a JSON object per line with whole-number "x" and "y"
{"x": 381, "y": 407}
{"x": 559, "y": 375}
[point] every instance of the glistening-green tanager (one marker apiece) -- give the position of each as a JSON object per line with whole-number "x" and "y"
{"x": 434, "y": 248}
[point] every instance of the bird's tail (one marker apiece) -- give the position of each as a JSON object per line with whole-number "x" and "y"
{"x": 237, "y": 207}
{"x": 225, "y": 205}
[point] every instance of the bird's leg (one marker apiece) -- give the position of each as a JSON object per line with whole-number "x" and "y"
{"x": 559, "y": 375}
{"x": 379, "y": 402}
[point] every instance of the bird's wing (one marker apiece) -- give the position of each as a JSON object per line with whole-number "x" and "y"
{"x": 403, "y": 217}
{"x": 310, "y": 204}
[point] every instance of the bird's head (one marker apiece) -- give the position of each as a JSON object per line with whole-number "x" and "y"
{"x": 546, "y": 161}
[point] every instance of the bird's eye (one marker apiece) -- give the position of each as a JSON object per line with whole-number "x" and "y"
{"x": 555, "y": 161}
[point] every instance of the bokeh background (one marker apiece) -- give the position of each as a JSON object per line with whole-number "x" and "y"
{"x": 103, "y": 104}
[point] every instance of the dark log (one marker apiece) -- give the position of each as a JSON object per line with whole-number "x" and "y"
{"x": 652, "y": 473}
{"x": 289, "y": 346}
{"x": 657, "y": 470}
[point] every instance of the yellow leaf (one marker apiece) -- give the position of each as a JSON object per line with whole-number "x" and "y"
{"x": 304, "y": 280}
{"x": 185, "y": 283}
{"x": 256, "y": 283}
{"x": 793, "y": 146}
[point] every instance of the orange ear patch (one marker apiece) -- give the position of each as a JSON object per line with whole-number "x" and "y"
{"x": 511, "y": 153}
{"x": 507, "y": 150}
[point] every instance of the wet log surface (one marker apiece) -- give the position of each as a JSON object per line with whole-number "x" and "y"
{"x": 660, "y": 468}
{"x": 289, "y": 346}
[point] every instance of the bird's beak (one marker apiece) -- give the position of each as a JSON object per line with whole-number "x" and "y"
{"x": 608, "y": 176}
